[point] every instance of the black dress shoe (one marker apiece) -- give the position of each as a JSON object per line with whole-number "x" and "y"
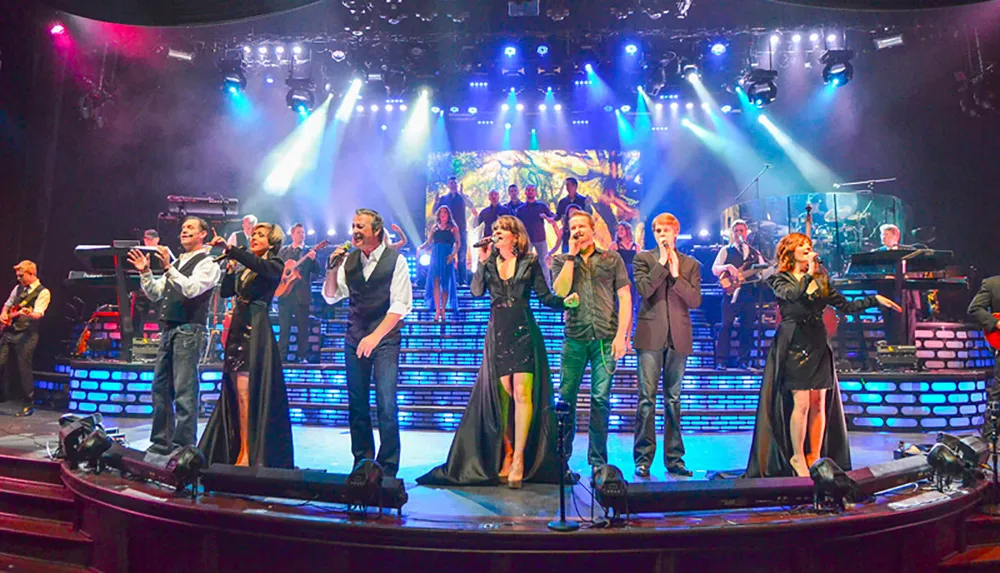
{"x": 27, "y": 411}
{"x": 679, "y": 469}
{"x": 642, "y": 471}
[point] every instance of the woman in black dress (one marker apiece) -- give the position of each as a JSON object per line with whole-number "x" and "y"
{"x": 486, "y": 450}
{"x": 625, "y": 246}
{"x": 800, "y": 417}
{"x": 250, "y": 424}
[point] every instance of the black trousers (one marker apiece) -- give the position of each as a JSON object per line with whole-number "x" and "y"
{"x": 745, "y": 308}
{"x": 297, "y": 312}
{"x": 17, "y": 350}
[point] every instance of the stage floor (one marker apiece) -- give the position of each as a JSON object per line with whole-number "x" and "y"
{"x": 328, "y": 449}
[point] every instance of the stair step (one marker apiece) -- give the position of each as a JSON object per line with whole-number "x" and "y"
{"x": 584, "y": 388}
{"x": 27, "y": 469}
{"x": 975, "y": 558}
{"x": 983, "y": 529}
{"x": 10, "y": 562}
{"x": 36, "y": 499}
{"x": 458, "y": 410}
{"x": 44, "y": 539}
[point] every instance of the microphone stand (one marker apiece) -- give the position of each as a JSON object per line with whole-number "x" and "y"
{"x": 755, "y": 180}
{"x": 562, "y": 412}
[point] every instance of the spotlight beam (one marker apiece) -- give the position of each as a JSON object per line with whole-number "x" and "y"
{"x": 818, "y": 175}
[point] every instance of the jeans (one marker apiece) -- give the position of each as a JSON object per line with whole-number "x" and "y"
{"x": 18, "y": 376}
{"x": 575, "y": 356}
{"x": 542, "y": 248}
{"x": 384, "y": 363}
{"x": 301, "y": 317}
{"x": 651, "y": 363}
{"x": 745, "y": 308}
{"x": 175, "y": 386}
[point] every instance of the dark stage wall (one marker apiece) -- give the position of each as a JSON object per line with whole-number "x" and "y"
{"x": 898, "y": 117}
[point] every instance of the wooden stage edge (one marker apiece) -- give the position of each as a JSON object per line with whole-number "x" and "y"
{"x": 143, "y": 527}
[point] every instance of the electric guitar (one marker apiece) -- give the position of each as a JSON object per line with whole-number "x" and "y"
{"x": 746, "y": 274}
{"x": 291, "y": 273}
{"x": 14, "y": 313}
{"x": 993, "y": 336}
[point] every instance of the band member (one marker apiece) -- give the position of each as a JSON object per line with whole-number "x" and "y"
{"x": 982, "y": 307}
{"x": 891, "y": 236}
{"x": 377, "y": 281}
{"x": 596, "y": 331}
{"x": 150, "y": 238}
{"x": 487, "y": 448}
{"x": 186, "y": 291}
{"x": 733, "y": 260}
{"x": 456, "y": 200}
{"x": 141, "y": 305}
{"x": 238, "y": 239}
{"x": 562, "y": 208}
{"x": 513, "y": 199}
{"x": 295, "y": 304}
{"x": 443, "y": 242}
{"x": 669, "y": 283}
{"x": 896, "y": 331}
{"x": 800, "y": 417}
{"x": 250, "y": 425}
{"x": 25, "y": 306}
{"x": 533, "y": 213}
{"x": 489, "y": 215}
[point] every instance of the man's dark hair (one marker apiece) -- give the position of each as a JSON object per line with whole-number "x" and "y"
{"x": 572, "y": 180}
{"x": 376, "y": 222}
{"x": 295, "y": 226}
{"x": 514, "y": 185}
{"x": 201, "y": 222}
{"x": 453, "y": 178}
{"x": 151, "y": 233}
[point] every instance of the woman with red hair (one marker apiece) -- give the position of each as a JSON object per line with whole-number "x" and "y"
{"x": 800, "y": 417}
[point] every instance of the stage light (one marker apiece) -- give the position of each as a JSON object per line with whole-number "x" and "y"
{"x": 473, "y": 110}
{"x": 510, "y": 51}
{"x": 703, "y": 233}
{"x": 705, "y": 106}
{"x": 279, "y": 50}
{"x": 402, "y": 107}
{"x": 542, "y": 50}
{"x": 689, "y": 106}
{"x": 338, "y": 55}
{"x": 831, "y": 38}
{"x": 837, "y": 68}
{"x": 506, "y": 125}
{"x": 727, "y": 108}
{"x": 589, "y": 68}
{"x": 541, "y": 107}
{"x": 718, "y": 49}
{"x": 246, "y": 49}
{"x": 269, "y": 79}
{"x": 686, "y": 122}
{"x": 453, "y": 109}
{"x": 532, "y": 130}
{"x": 388, "y": 107}
{"x": 674, "y": 106}
{"x": 548, "y": 89}
{"x": 297, "y": 50}
{"x": 658, "y": 106}
{"x": 311, "y": 232}
{"x": 180, "y": 55}
{"x": 888, "y": 42}
{"x": 519, "y": 107}
{"x": 797, "y": 38}
{"x": 505, "y": 107}
{"x": 57, "y": 29}
{"x": 374, "y": 107}
{"x": 759, "y": 86}
{"x": 360, "y": 109}
{"x": 425, "y": 260}
{"x": 384, "y": 127}
{"x": 557, "y": 107}
{"x": 609, "y": 107}
{"x": 300, "y": 98}
{"x": 234, "y": 80}
{"x": 832, "y": 487}
{"x": 775, "y": 39}
{"x": 331, "y": 232}
{"x": 631, "y": 49}
{"x": 262, "y": 50}
{"x": 625, "y": 108}
{"x": 435, "y": 109}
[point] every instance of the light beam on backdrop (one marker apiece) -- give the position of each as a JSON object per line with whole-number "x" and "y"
{"x": 296, "y": 155}
{"x": 347, "y": 103}
{"x": 732, "y": 146}
{"x": 818, "y": 175}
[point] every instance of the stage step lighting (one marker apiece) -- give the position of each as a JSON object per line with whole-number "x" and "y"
{"x": 837, "y": 67}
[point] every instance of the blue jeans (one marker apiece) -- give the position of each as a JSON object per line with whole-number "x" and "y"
{"x": 384, "y": 364}
{"x": 651, "y": 363}
{"x": 576, "y": 354}
{"x": 175, "y": 386}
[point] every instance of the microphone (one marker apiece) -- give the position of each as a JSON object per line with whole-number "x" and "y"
{"x": 225, "y": 254}
{"x": 768, "y": 166}
{"x": 818, "y": 260}
{"x": 333, "y": 262}
{"x": 485, "y": 241}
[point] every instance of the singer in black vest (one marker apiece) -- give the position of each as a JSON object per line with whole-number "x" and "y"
{"x": 738, "y": 256}
{"x": 376, "y": 278}
{"x": 25, "y": 306}
{"x": 186, "y": 290}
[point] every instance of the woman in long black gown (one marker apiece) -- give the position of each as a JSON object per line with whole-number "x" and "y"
{"x": 250, "y": 424}
{"x": 800, "y": 417}
{"x": 514, "y": 365}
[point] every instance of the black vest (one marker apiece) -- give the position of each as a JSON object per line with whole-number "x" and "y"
{"x": 734, "y": 256}
{"x": 369, "y": 299}
{"x": 178, "y": 309}
{"x": 27, "y": 299}
{"x": 242, "y": 240}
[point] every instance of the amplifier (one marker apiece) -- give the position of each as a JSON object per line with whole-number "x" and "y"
{"x": 896, "y": 357}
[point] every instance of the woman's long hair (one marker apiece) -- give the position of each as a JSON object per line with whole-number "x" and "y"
{"x": 437, "y": 216}
{"x": 786, "y": 259}
{"x": 628, "y": 231}
{"x": 515, "y": 226}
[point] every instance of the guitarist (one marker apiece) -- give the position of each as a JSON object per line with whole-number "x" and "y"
{"x": 25, "y": 306}
{"x": 733, "y": 261}
{"x": 295, "y": 304}
{"x": 983, "y": 305}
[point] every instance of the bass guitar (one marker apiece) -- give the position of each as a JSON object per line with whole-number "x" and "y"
{"x": 993, "y": 336}
{"x": 291, "y": 274}
{"x": 748, "y": 273}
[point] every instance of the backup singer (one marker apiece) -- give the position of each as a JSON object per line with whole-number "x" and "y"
{"x": 443, "y": 241}
{"x": 489, "y": 215}
{"x": 669, "y": 283}
{"x": 734, "y": 260}
{"x": 377, "y": 280}
{"x": 250, "y": 425}
{"x": 625, "y": 245}
{"x": 800, "y": 417}
{"x": 596, "y": 331}
{"x": 486, "y": 448}
{"x": 25, "y": 306}
{"x": 572, "y": 198}
{"x": 982, "y": 307}
{"x": 456, "y": 200}
{"x": 295, "y": 304}
{"x": 186, "y": 290}
{"x": 533, "y": 214}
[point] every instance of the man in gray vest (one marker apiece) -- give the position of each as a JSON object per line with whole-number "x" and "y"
{"x": 25, "y": 306}
{"x": 376, "y": 278}
{"x": 185, "y": 289}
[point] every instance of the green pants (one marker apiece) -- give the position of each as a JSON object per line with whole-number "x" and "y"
{"x": 576, "y": 354}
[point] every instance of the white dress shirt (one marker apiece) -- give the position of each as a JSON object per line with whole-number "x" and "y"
{"x": 204, "y": 277}
{"x": 41, "y": 303}
{"x": 400, "y": 290}
{"x": 720, "y": 260}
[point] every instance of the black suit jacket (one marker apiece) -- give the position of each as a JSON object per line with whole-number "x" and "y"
{"x": 666, "y": 302}
{"x": 985, "y": 303}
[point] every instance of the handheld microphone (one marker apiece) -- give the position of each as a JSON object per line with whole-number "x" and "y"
{"x": 819, "y": 260}
{"x": 485, "y": 241}
{"x": 768, "y": 166}
{"x": 225, "y": 254}
{"x": 333, "y": 262}
{"x": 576, "y": 236}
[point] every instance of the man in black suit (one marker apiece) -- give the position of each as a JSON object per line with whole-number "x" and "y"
{"x": 669, "y": 284}
{"x": 982, "y": 307}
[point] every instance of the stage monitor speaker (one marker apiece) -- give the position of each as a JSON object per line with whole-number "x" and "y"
{"x": 312, "y": 485}
{"x": 888, "y": 475}
{"x": 179, "y": 470}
